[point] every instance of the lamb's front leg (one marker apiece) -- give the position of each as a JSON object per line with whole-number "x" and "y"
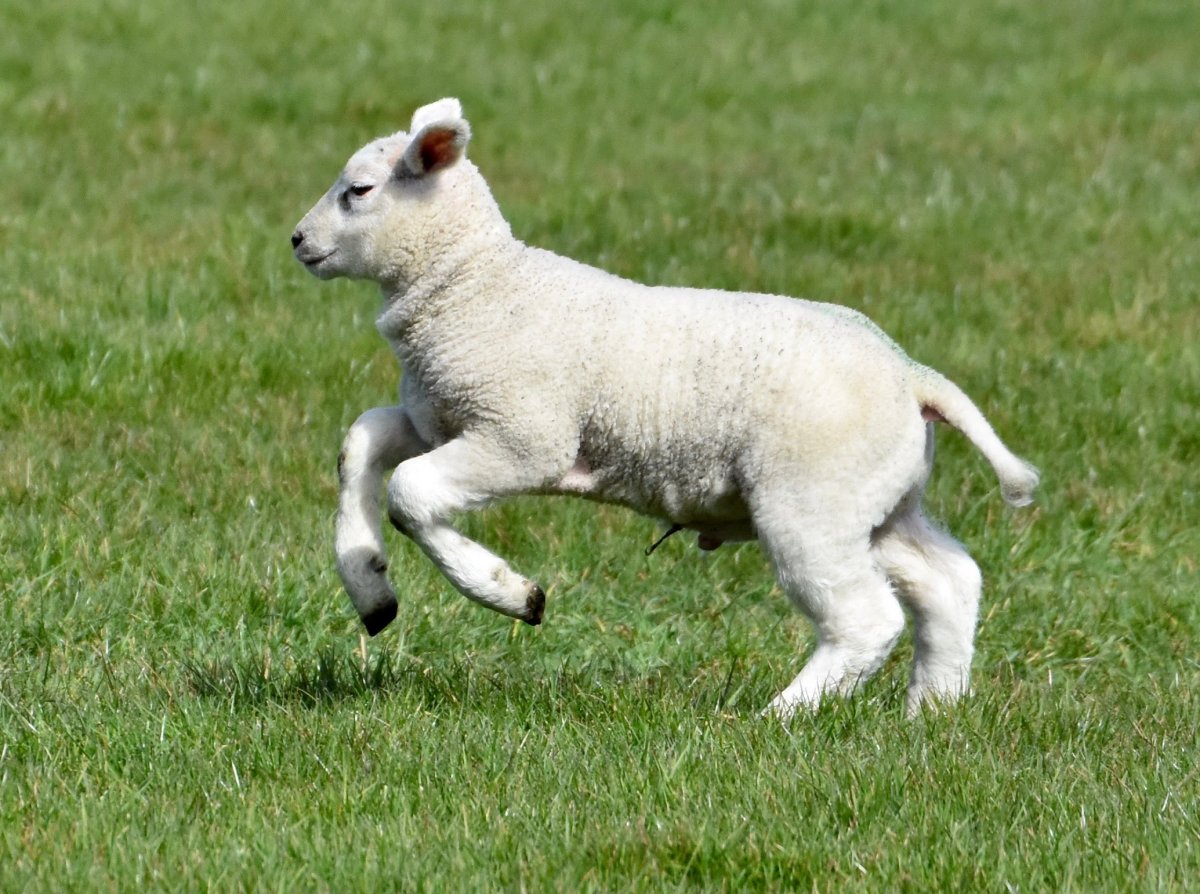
{"x": 466, "y": 473}
{"x": 379, "y": 440}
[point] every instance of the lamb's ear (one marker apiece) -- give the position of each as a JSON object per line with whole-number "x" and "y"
{"x": 435, "y": 111}
{"x": 437, "y": 145}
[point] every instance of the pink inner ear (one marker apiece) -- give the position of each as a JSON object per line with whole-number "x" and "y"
{"x": 437, "y": 149}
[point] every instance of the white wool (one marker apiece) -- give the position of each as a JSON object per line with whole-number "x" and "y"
{"x": 736, "y": 415}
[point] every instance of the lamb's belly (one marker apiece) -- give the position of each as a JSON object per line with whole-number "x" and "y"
{"x": 679, "y": 493}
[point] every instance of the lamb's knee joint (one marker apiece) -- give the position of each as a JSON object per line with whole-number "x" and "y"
{"x": 407, "y": 502}
{"x": 866, "y": 642}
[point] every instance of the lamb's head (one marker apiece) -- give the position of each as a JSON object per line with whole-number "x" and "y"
{"x": 401, "y": 204}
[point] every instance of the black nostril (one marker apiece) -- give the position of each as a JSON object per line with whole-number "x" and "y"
{"x": 297, "y": 238}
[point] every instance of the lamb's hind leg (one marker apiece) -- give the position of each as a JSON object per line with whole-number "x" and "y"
{"x": 940, "y": 585}
{"x": 465, "y": 473}
{"x": 379, "y": 440}
{"x": 857, "y": 618}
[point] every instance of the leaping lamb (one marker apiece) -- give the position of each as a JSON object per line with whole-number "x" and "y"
{"x": 738, "y": 416}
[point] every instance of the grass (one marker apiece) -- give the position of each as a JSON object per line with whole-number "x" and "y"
{"x": 186, "y": 702}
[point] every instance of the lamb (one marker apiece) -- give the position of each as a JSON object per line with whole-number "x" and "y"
{"x": 737, "y": 416}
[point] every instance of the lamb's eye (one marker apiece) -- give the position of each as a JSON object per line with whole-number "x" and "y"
{"x": 361, "y": 189}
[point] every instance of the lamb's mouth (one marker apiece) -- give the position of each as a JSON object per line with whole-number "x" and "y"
{"x": 312, "y": 263}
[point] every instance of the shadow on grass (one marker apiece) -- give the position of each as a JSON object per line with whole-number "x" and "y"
{"x": 328, "y": 676}
{"x": 595, "y": 687}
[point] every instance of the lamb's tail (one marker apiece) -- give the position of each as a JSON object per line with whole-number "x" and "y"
{"x": 942, "y": 400}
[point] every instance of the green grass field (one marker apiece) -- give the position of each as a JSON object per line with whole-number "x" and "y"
{"x": 1010, "y": 189}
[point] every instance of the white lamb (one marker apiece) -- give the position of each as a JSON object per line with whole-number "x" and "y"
{"x": 738, "y": 416}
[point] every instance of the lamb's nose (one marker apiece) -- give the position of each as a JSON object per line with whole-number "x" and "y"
{"x": 297, "y": 238}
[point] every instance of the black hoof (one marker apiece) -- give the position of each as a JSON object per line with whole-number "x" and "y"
{"x": 380, "y": 618}
{"x": 535, "y": 606}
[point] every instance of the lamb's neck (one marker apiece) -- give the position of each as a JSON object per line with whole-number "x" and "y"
{"x": 456, "y": 277}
